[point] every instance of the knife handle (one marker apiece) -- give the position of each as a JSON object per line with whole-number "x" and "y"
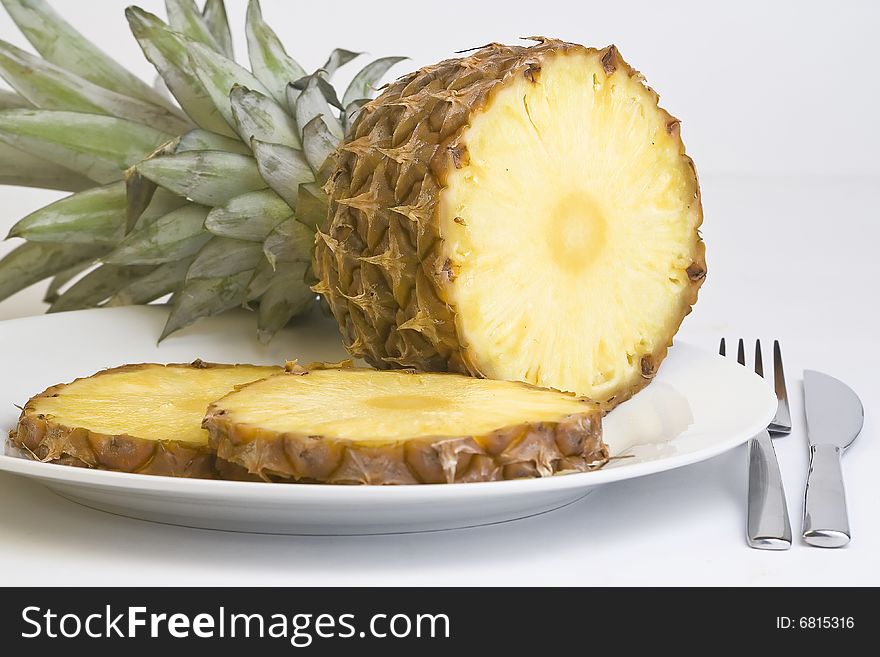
{"x": 825, "y": 519}
{"x": 768, "y": 524}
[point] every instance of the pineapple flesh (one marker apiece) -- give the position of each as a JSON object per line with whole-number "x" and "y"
{"x": 523, "y": 213}
{"x": 135, "y": 418}
{"x": 573, "y": 221}
{"x": 364, "y": 426}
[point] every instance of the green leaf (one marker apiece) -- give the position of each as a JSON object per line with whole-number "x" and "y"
{"x": 290, "y": 241}
{"x": 63, "y": 278}
{"x": 364, "y": 82}
{"x": 98, "y": 147}
{"x": 249, "y": 216}
{"x": 11, "y": 100}
{"x": 93, "y": 216}
{"x": 204, "y": 140}
{"x": 223, "y": 256}
{"x": 97, "y": 286}
{"x": 215, "y": 17}
{"x": 311, "y": 103}
{"x": 186, "y": 19}
{"x": 318, "y": 143}
{"x": 351, "y": 112}
{"x": 203, "y": 297}
{"x": 51, "y": 87}
{"x": 219, "y": 75}
{"x": 139, "y": 193}
{"x": 282, "y": 168}
{"x": 176, "y": 235}
{"x": 139, "y": 190}
{"x": 258, "y": 116}
{"x": 207, "y": 177}
{"x": 167, "y": 51}
{"x": 21, "y": 169}
{"x": 34, "y": 261}
{"x": 162, "y": 203}
{"x": 258, "y": 284}
{"x": 285, "y": 297}
{"x": 269, "y": 61}
{"x": 327, "y": 90}
{"x": 164, "y": 279}
{"x": 339, "y": 57}
{"x": 60, "y": 44}
{"x": 312, "y": 207}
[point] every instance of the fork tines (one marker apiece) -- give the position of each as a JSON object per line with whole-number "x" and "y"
{"x": 781, "y": 424}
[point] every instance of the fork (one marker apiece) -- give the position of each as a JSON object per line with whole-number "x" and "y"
{"x": 768, "y": 524}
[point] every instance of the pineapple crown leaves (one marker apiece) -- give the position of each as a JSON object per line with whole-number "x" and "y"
{"x": 211, "y": 194}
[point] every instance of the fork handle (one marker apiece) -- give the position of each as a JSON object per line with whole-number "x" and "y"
{"x": 768, "y": 524}
{"x": 825, "y": 519}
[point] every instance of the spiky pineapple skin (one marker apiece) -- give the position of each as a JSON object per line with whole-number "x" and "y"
{"x": 380, "y": 262}
{"x": 45, "y": 439}
{"x": 48, "y": 441}
{"x": 523, "y": 450}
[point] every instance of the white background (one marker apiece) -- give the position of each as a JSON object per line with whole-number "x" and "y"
{"x": 779, "y": 103}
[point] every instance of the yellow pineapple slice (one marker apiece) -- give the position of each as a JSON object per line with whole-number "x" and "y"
{"x": 364, "y": 426}
{"x": 135, "y": 418}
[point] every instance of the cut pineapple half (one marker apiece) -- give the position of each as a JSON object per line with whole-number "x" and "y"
{"x": 570, "y": 230}
{"x": 347, "y": 425}
{"x": 135, "y": 418}
{"x": 522, "y": 213}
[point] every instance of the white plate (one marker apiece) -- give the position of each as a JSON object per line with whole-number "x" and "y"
{"x": 698, "y": 406}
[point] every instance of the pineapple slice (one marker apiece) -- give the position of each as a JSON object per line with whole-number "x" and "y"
{"x": 584, "y": 173}
{"x": 522, "y": 213}
{"x": 134, "y": 418}
{"x": 363, "y": 426}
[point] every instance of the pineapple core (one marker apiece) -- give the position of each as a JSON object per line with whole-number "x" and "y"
{"x": 152, "y": 402}
{"x": 572, "y": 221}
{"x": 344, "y": 404}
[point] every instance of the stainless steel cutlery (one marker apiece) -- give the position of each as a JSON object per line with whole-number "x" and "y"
{"x": 834, "y": 419}
{"x": 768, "y": 525}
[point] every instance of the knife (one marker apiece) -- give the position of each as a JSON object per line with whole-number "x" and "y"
{"x": 834, "y": 419}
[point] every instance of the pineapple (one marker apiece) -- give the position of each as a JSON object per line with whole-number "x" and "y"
{"x": 134, "y": 418}
{"x": 363, "y": 426}
{"x": 214, "y": 199}
{"x": 520, "y": 213}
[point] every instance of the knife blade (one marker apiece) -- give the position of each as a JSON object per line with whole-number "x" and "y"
{"x": 834, "y": 412}
{"x": 834, "y": 419}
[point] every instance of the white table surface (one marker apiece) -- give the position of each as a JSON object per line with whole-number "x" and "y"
{"x": 789, "y": 258}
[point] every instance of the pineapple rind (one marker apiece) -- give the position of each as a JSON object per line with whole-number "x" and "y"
{"x": 268, "y": 427}
{"x": 51, "y": 438}
{"x": 385, "y": 265}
